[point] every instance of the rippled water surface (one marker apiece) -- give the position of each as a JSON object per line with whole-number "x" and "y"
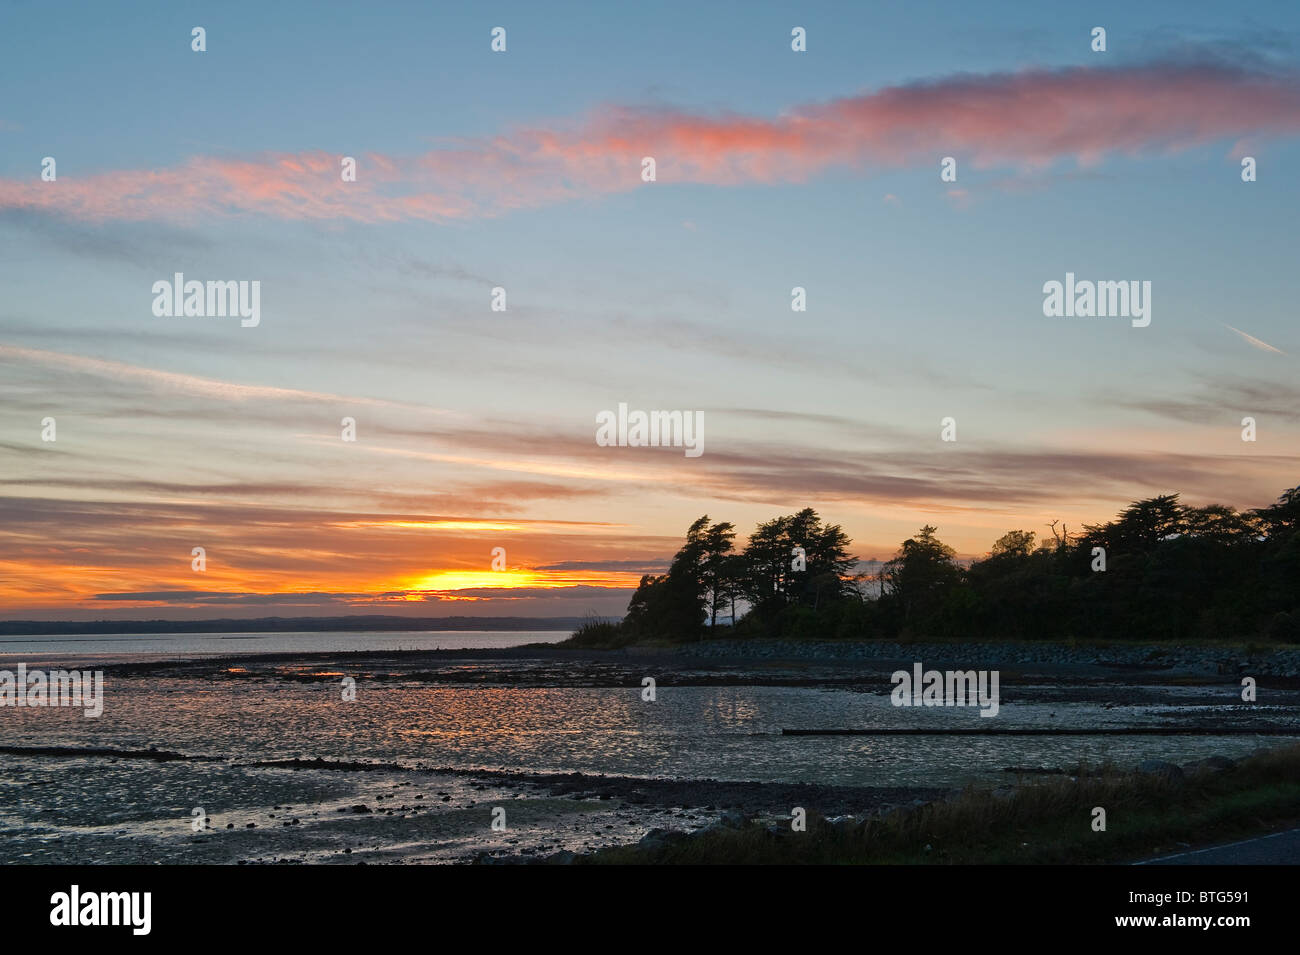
{"x": 451, "y": 717}
{"x": 731, "y": 732}
{"x": 128, "y": 646}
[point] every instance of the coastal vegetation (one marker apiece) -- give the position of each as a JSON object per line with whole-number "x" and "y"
{"x": 1165, "y": 809}
{"x": 1160, "y": 570}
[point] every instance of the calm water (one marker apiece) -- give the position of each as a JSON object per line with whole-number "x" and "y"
{"x": 728, "y": 733}
{"x": 144, "y": 646}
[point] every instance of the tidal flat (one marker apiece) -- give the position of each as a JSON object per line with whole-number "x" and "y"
{"x": 261, "y": 758}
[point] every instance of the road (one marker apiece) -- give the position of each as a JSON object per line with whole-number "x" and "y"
{"x": 1281, "y": 848}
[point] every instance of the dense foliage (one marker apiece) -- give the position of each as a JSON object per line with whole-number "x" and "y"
{"x": 1160, "y": 570}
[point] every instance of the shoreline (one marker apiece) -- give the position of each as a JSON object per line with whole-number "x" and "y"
{"x": 1136, "y": 815}
{"x": 1102, "y": 657}
{"x": 414, "y": 811}
{"x": 1053, "y": 671}
{"x": 326, "y": 811}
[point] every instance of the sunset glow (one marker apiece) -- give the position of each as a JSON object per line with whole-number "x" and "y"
{"x": 439, "y": 336}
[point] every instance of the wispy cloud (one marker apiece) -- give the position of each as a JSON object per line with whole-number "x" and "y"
{"x": 196, "y": 385}
{"x": 1217, "y": 398}
{"x": 1023, "y": 120}
{"x": 1254, "y": 342}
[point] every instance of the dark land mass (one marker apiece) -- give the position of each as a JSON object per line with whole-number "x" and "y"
{"x": 366, "y": 622}
{"x": 1154, "y": 809}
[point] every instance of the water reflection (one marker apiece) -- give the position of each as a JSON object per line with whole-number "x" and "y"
{"x": 687, "y": 732}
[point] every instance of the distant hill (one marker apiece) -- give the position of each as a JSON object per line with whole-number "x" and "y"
{"x": 286, "y": 625}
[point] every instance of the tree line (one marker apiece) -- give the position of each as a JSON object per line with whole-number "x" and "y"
{"x": 1161, "y": 570}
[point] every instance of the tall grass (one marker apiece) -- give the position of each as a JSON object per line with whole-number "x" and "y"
{"x": 1044, "y": 822}
{"x": 597, "y": 633}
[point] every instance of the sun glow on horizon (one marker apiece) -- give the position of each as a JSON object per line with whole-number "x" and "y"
{"x": 474, "y": 579}
{"x": 444, "y": 581}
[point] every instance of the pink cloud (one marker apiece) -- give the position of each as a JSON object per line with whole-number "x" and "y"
{"x": 1024, "y": 120}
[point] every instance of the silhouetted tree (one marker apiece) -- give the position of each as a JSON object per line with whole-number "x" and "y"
{"x": 919, "y": 577}
{"x": 1171, "y": 571}
{"x": 1014, "y": 544}
{"x": 796, "y": 560}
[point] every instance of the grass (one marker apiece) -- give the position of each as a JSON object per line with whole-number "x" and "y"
{"x": 1247, "y": 645}
{"x": 595, "y": 633}
{"x": 1041, "y": 823}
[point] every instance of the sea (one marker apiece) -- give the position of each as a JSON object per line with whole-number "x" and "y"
{"x": 274, "y": 766}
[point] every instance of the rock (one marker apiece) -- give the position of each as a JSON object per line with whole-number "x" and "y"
{"x": 733, "y": 819}
{"x": 361, "y": 808}
{"x": 1213, "y": 764}
{"x": 486, "y": 859}
{"x": 1160, "y": 767}
{"x": 660, "y": 839}
{"x": 843, "y": 825}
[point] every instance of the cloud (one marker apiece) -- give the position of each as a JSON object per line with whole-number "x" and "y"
{"x": 137, "y": 244}
{"x": 624, "y": 566}
{"x": 34, "y": 448}
{"x": 194, "y": 385}
{"x": 1025, "y": 120}
{"x": 388, "y": 601}
{"x": 1255, "y": 342}
{"x": 978, "y": 478}
{"x": 224, "y": 597}
{"x": 1220, "y": 398}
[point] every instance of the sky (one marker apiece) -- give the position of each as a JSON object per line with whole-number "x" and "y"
{"x": 523, "y": 170}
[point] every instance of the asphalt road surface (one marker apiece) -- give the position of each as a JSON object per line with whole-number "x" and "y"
{"x": 1281, "y": 848}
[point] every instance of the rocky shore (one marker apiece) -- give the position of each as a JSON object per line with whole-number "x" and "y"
{"x": 1283, "y": 662}
{"x": 751, "y": 662}
{"x": 737, "y": 835}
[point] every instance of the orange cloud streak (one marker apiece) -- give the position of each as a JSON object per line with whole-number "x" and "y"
{"x": 1024, "y": 119}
